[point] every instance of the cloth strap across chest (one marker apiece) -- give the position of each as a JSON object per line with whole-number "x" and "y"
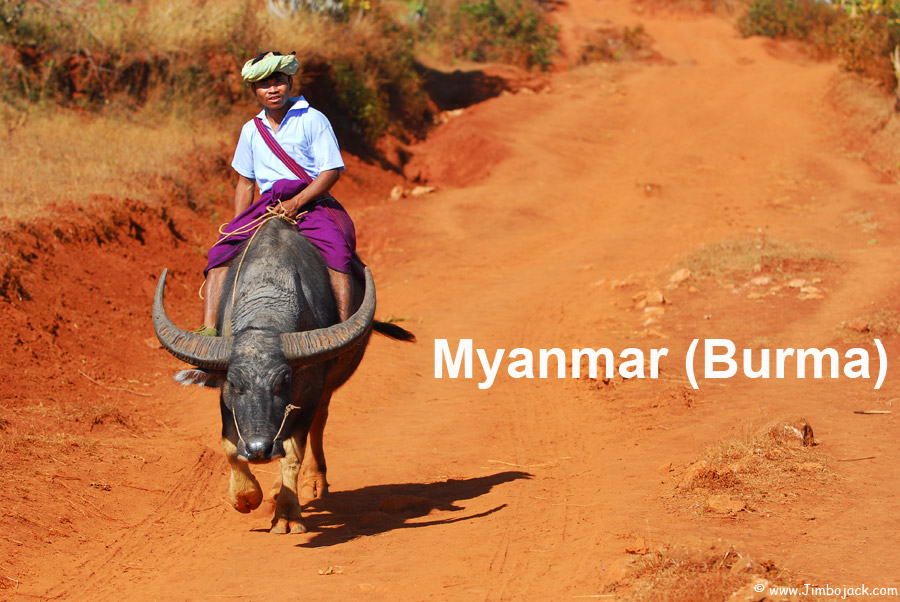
{"x": 292, "y": 165}
{"x": 276, "y": 148}
{"x": 325, "y": 223}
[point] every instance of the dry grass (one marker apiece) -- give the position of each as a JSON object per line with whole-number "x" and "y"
{"x": 769, "y": 464}
{"x": 179, "y": 26}
{"x": 618, "y": 44}
{"x": 171, "y": 26}
{"x": 690, "y": 570}
{"x": 45, "y": 429}
{"x": 864, "y": 220}
{"x": 880, "y": 323}
{"x": 57, "y": 441}
{"x": 683, "y": 574}
{"x": 66, "y": 157}
{"x": 35, "y": 444}
{"x": 726, "y": 8}
{"x": 738, "y": 259}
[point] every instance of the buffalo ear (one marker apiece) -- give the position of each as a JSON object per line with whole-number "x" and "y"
{"x": 200, "y": 377}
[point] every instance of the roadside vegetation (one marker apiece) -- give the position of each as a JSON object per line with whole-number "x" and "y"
{"x": 609, "y": 44}
{"x": 757, "y": 469}
{"x": 863, "y": 33}
{"x": 147, "y": 82}
{"x": 359, "y": 53}
{"x": 697, "y": 570}
{"x": 740, "y": 259}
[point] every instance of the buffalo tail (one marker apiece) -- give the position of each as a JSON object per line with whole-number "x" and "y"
{"x": 394, "y": 331}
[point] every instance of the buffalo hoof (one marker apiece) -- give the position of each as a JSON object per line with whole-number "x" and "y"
{"x": 244, "y": 493}
{"x": 314, "y": 487}
{"x": 286, "y": 525}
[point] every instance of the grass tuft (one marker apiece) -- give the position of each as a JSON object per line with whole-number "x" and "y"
{"x": 692, "y": 570}
{"x": 618, "y": 44}
{"x": 771, "y": 464}
{"x": 671, "y": 574}
{"x": 741, "y": 257}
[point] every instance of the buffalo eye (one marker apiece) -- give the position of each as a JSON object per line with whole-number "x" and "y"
{"x": 236, "y": 389}
{"x": 282, "y": 384}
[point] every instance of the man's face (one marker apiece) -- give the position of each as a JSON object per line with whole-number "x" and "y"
{"x": 272, "y": 92}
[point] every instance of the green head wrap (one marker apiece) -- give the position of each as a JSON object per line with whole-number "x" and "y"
{"x": 266, "y": 64}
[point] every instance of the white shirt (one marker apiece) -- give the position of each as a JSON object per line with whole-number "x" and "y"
{"x": 305, "y": 134}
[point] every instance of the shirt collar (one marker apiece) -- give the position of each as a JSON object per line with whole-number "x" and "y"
{"x": 299, "y": 103}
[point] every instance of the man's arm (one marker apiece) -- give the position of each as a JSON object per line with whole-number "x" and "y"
{"x": 243, "y": 194}
{"x": 318, "y": 187}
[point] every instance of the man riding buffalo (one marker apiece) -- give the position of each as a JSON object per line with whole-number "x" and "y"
{"x": 287, "y": 339}
{"x": 290, "y": 152}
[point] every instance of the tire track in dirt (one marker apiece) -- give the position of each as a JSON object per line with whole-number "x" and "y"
{"x": 169, "y": 524}
{"x": 794, "y": 123}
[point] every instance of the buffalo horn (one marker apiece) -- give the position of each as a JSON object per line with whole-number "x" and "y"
{"x": 209, "y": 353}
{"x": 324, "y": 344}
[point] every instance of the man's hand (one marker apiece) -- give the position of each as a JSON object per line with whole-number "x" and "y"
{"x": 317, "y": 188}
{"x": 289, "y": 208}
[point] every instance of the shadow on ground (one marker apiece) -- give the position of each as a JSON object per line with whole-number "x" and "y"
{"x": 346, "y": 515}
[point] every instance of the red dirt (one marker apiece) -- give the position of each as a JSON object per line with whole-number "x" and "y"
{"x": 587, "y": 194}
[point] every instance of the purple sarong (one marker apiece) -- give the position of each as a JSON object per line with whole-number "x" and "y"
{"x": 326, "y": 225}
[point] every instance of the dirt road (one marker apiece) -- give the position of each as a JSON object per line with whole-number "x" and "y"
{"x": 582, "y": 201}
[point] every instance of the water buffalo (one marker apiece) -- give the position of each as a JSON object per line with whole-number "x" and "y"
{"x": 282, "y": 354}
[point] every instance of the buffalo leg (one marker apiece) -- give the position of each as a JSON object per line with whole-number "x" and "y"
{"x": 314, "y": 484}
{"x": 244, "y": 491}
{"x": 287, "y": 517}
{"x": 276, "y": 487}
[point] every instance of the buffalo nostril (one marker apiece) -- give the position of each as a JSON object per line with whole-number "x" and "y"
{"x": 277, "y": 449}
{"x": 258, "y": 449}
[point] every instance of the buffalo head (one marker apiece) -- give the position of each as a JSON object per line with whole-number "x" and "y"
{"x": 267, "y": 378}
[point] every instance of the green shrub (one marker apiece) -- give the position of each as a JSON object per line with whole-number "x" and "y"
{"x": 793, "y": 19}
{"x": 369, "y": 84}
{"x": 864, "y": 44}
{"x": 863, "y": 35}
{"x": 507, "y": 31}
{"x": 359, "y": 100}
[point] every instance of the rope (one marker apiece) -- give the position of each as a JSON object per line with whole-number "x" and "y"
{"x": 251, "y": 227}
{"x": 254, "y": 226}
{"x": 287, "y": 412}
{"x": 269, "y": 214}
{"x": 236, "y": 427}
